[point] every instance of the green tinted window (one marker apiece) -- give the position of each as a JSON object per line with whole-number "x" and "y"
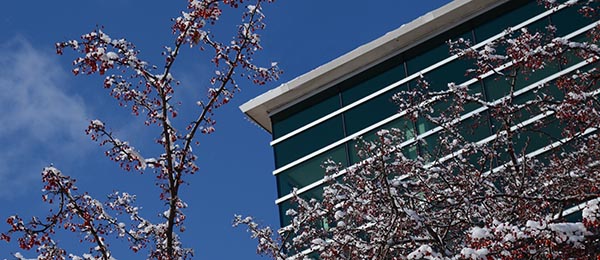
{"x": 472, "y": 129}
{"x": 475, "y": 128}
{"x": 439, "y": 52}
{"x": 316, "y": 193}
{"x": 568, "y": 20}
{"x": 506, "y": 20}
{"x": 498, "y": 86}
{"x": 305, "y": 112}
{"x": 410, "y": 152}
{"x": 283, "y": 207}
{"x": 454, "y": 71}
{"x": 592, "y": 68}
{"x": 429, "y": 149}
{"x": 309, "y": 171}
{"x": 372, "y": 84}
{"x": 537, "y": 136}
{"x": 371, "y": 112}
{"x": 549, "y": 92}
{"x": 401, "y": 124}
{"x": 443, "y": 107}
{"x": 427, "y": 59}
{"x": 308, "y": 141}
{"x": 577, "y": 216}
{"x": 571, "y": 57}
{"x": 475, "y": 89}
{"x": 531, "y": 138}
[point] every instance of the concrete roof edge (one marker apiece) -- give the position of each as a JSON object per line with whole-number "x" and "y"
{"x": 426, "y": 26}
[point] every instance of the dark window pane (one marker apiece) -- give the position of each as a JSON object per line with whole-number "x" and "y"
{"x": 373, "y": 84}
{"x": 497, "y": 87}
{"x": 283, "y": 208}
{"x": 305, "y": 112}
{"x": 410, "y": 151}
{"x": 507, "y": 19}
{"x": 442, "y": 108}
{"x": 472, "y": 129}
{"x": 308, "y": 141}
{"x": 572, "y": 57}
{"x": 531, "y": 138}
{"x": 568, "y": 20}
{"x": 536, "y": 136}
{"x": 575, "y": 217}
{"x": 401, "y": 124}
{"x": 309, "y": 171}
{"x": 451, "y": 72}
{"x": 550, "y": 90}
{"x": 429, "y": 149}
{"x": 437, "y": 53}
{"x": 371, "y": 112}
{"x": 316, "y": 193}
{"x": 475, "y": 128}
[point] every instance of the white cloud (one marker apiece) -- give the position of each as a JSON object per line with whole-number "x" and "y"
{"x": 40, "y": 121}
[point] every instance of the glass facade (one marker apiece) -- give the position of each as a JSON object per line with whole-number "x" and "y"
{"x": 298, "y": 157}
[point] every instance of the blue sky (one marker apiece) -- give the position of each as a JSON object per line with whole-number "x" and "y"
{"x": 44, "y": 108}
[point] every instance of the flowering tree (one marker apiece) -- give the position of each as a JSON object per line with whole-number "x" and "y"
{"x": 530, "y": 190}
{"x": 148, "y": 91}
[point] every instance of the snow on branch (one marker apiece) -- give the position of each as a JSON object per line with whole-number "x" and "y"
{"x": 517, "y": 178}
{"x": 150, "y": 91}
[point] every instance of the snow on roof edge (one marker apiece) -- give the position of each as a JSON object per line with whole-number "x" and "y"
{"x": 424, "y": 27}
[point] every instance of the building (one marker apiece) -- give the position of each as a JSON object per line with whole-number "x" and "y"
{"x": 319, "y": 114}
